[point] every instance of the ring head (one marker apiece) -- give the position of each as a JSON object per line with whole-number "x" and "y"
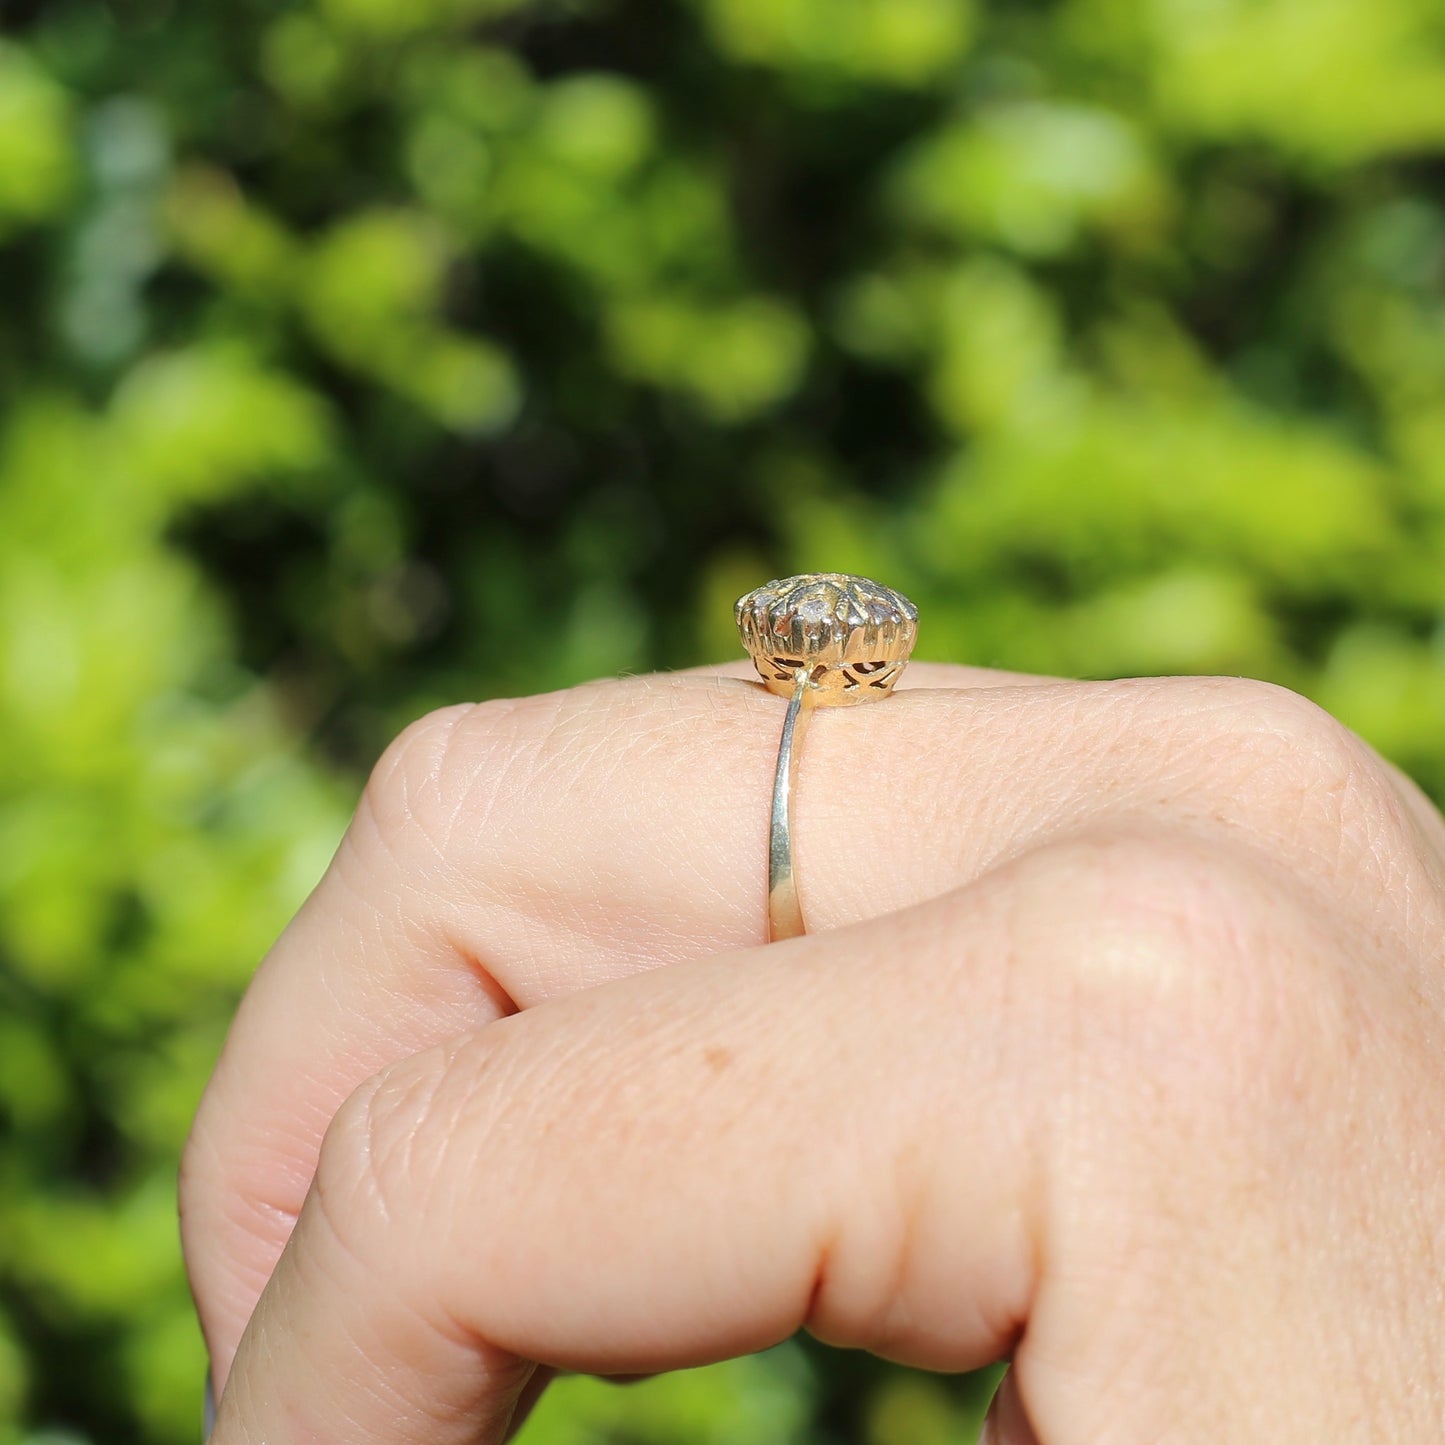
{"x": 849, "y": 636}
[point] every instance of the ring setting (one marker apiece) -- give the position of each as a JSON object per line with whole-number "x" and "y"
{"x": 823, "y": 639}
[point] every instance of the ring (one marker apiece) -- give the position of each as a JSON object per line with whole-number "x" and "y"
{"x": 824, "y": 639}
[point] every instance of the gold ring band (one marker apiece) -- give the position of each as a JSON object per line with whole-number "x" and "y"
{"x": 824, "y": 639}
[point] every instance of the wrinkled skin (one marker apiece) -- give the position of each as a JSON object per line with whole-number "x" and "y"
{"x": 1117, "y": 1047}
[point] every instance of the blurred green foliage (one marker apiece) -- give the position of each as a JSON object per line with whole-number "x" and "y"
{"x": 339, "y": 336}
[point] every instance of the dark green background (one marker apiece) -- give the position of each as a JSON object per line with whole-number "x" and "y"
{"x": 361, "y": 355}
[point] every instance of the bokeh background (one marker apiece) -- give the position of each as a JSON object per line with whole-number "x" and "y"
{"x": 362, "y": 355}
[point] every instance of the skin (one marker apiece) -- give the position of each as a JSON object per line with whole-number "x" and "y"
{"x": 1116, "y": 1048}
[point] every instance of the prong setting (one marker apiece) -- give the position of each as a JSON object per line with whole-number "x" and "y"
{"x": 850, "y": 635}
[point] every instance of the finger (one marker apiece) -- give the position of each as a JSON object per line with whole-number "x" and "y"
{"x": 509, "y": 853}
{"x": 672, "y": 1169}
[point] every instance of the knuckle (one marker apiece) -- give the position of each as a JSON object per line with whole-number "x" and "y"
{"x": 1279, "y": 713}
{"x": 1198, "y": 1016}
{"x": 1174, "y": 964}
{"x": 386, "y": 1184}
{"x": 1288, "y": 777}
{"x": 383, "y": 1224}
{"x": 1290, "y": 748}
{"x": 463, "y": 773}
{"x": 481, "y": 796}
{"x": 446, "y": 791}
{"x": 435, "y": 763}
{"x": 344, "y": 1199}
{"x": 367, "y": 1176}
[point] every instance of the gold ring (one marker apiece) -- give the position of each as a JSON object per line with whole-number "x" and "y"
{"x": 824, "y": 639}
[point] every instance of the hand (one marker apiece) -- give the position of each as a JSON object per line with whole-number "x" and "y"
{"x": 1117, "y": 1046}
